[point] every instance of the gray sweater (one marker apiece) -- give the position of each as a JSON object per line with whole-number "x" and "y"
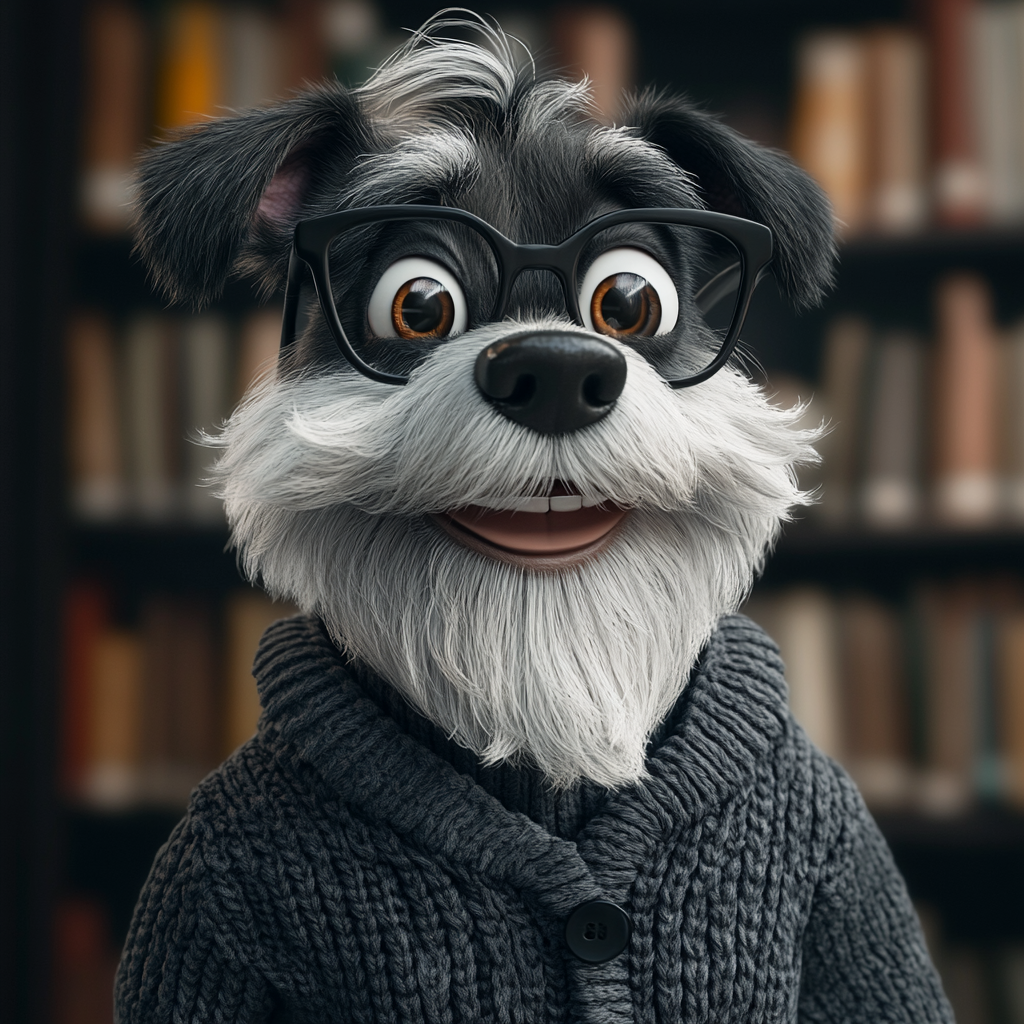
{"x": 349, "y": 864}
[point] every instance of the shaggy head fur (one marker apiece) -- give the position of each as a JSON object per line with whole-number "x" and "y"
{"x": 330, "y": 478}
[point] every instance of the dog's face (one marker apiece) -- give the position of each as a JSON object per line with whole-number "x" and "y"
{"x": 539, "y": 582}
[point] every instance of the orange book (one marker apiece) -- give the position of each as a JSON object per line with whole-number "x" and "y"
{"x": 958, "y": 179}
{"x": 86, "y": 612}
{"x": 114, "y": 720}
{"x": 830, "y": 122}
{"x": 114, "y": 119}
{"x": 965, "y": 409}
{"x": 190, "y": 86}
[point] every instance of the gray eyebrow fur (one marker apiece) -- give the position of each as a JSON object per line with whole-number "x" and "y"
{"x": 416, "y": 168}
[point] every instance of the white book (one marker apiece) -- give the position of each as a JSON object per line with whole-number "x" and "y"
{"x": 151, "y": 414}
{"x": 1011, "y": 423}
{"x": 253, "y": 58}
{"x": 998, "y": 102}
{"x": 891, "y": 491}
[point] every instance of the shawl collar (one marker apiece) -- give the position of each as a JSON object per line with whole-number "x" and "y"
{"x": 731, "y": 714}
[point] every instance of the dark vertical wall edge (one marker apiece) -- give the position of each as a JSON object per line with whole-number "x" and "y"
{"x": 39, "y": 95}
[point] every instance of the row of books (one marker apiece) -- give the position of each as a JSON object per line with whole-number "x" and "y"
{"x": 904, "y": 125}
{"x": 922, "y": 430}
{"x": 141, "y": 392}
{"x": 155, "y": 696}
{"x": 193, "y": 59}
{"x": 922, "y": 702}
{"x": 198, "y": 59}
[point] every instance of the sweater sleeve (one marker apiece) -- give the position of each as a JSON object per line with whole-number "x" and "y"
{"x": 864, "y": 957}
{"x": 182, "y": 959}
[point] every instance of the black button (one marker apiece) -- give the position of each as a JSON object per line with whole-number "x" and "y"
{"x": 597, "y": 931}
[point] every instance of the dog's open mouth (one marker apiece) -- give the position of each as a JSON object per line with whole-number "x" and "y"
{"x": 564, "y": 522}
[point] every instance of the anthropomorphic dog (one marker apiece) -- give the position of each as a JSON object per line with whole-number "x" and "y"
{"x": 519, "y": 762}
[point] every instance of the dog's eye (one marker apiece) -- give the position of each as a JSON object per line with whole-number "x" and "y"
{"x": 417, "y": 298}
{"x": 627, "y": 293}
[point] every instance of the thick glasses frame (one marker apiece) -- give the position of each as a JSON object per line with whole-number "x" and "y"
{"x": 312, "y": 240}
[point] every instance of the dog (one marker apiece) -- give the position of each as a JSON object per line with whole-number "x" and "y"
{"x": 512, "y": 470}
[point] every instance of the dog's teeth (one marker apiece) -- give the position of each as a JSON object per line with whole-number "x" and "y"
{"x": 532, "y": 505}
{"x": 566, "y": 502}
{"x": 590, "y": 500}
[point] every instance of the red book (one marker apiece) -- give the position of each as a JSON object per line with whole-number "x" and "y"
{"x": 86, "y": 612}
{"x": 958, "y": 183}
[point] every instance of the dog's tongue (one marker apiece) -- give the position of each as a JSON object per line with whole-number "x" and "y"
{"x": 538, "y": 533}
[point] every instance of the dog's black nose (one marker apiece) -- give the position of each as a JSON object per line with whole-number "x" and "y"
{"x": 550, "y": 381}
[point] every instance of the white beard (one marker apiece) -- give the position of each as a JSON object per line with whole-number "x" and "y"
{"x": 327, "y": 482}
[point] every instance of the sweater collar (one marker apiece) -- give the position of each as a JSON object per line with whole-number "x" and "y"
{"x": 381, "y": 757}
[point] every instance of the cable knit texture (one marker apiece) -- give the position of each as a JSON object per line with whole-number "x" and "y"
{"x": 349, "y": 864}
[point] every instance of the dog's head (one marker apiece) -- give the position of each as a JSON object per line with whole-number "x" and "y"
{"x": 534, "y": 535}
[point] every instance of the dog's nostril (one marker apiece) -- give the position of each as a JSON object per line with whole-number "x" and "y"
{"x": 523, "y": 391}
{"x": 550, "y": 381}
{"x": 599, "y": 390}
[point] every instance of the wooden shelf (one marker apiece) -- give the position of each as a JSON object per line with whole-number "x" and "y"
{"x": 179, "y": 556}
{"x": 142, "y": 556}
{"x": 889, "y": 560}
{"x": 110, "y": 276}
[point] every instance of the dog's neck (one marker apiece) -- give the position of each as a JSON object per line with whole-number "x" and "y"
{"x": 519, "y": 788}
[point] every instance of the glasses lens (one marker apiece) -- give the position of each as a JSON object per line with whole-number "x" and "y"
{"x": 403, "y": 288}
{"x": 669, "y": 290}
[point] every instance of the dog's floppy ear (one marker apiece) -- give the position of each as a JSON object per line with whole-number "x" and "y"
{"x": 225, "y": 195}
{"x": 747, "y": 180}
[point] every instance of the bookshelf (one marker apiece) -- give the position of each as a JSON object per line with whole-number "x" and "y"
{"x": 964, "y": 865}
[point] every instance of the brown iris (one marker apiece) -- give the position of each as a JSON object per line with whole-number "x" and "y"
{"x": 625, "y": 305}
{"x": 422, "y": 308}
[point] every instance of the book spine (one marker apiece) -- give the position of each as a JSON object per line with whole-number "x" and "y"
{"x": 951, "y": 703}
{"x": 112, "y": 778}
{"x": 898, "y": 129}
{"x": 597, "y": 43}
{"x": 206, "y": 357}
{"x": 997, "y": 107}
{"x": 190, "y": 84}
{"x": 116, "y": 53}
{"x": 258, "y": 348}
{"x": 152, "y": 414}
{"x": 1010, "y": 703}
{"x": 965, "y": 404}
{"x": 891, "y": 491}
{"x": 94, "y": 431}
{"x": 1011, "y": 422}
{"x": 846, "y": 359}
{"x": 85, "y": 615}
{"x": 830, "y": 129}
{"x": 958, "y": 183}
{"x": 875, "y": 711}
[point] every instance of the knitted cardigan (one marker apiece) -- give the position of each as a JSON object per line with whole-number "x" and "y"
{"x": 349, "y": 864}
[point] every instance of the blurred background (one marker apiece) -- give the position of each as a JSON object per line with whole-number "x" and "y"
{"x": 126, "y": 633}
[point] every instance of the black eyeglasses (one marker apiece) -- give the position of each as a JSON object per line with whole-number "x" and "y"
{"x": 394, "y": 282}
